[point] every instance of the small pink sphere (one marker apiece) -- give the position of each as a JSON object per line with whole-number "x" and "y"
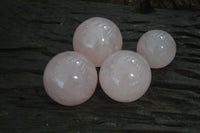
{"x": 97, "y": 38}
{"x": 125, "y": 76}
{"x": 157, "y": 47}
{"x": 70, "y": 79}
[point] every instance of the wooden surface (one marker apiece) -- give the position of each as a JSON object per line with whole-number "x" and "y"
{"x": 31, "y": 33}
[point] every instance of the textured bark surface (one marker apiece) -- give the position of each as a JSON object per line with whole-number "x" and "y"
{"x": 146, "y": 5}
{"x": 33, "y": 32}
{"x": 166, "y": 4}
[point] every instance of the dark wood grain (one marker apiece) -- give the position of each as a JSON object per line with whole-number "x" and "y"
{"x": 33, "y": 32}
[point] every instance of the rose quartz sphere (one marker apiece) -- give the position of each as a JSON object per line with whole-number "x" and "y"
{"x": 70, "y": 79}
{"x": 157, "y": 47}
{"x": 97, "y": 38}
{"x": 125, "y": 76}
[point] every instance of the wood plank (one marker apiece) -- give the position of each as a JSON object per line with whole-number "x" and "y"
{"x": 33, "y": 32}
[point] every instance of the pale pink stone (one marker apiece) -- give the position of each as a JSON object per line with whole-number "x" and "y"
{"x": 157, "y": 47}
{"x": 97, "y": 38}
{"x": 70, "y": 78}
{"x": 125, "y": 76}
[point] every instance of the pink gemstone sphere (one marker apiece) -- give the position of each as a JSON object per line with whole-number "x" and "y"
{"x": 157, "y": 47}
{"x": 125, "y": 76}
{"x": 70, "y": 79}
{"x": 97, "y": 38}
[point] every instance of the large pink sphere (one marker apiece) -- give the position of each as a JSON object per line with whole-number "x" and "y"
{"x": 125, "y": 76}
{"x": 157, "y": 47}
{"x": 70, "y": 78}
{"x": 97, "y": 38}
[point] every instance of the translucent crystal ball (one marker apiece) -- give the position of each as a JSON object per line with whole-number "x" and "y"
{"x": 70, "y": 78}
{"x": 157, "y": 47}
{"x": 125, "y": 76}
{"x": 97, "y": 38}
